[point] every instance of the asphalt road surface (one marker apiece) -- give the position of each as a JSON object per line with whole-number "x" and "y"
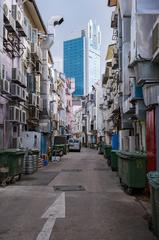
{"x": 78, "y": 198}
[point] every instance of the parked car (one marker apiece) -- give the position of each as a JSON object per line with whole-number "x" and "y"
{"x": 74, "y": 145}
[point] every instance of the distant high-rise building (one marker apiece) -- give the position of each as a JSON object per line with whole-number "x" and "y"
{"x": 74, "y": 63}
{"x": 82, "y": 59}
{"x": 93, "y": 56}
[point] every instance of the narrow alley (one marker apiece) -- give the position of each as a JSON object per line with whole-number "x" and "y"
{"x": 77, "y": 198}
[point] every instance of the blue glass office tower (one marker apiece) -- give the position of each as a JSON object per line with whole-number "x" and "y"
{"x": 74, "y": 63}
{"x": 82, "y": 59}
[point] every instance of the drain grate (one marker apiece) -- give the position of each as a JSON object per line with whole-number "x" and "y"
{"x": 71, "y": 170}
{"x": 69, "y": 188}
{"x": 101, "y": 169}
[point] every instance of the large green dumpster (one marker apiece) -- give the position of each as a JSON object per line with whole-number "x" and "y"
{"x": 11, "y": 164}
{"x": 100, "y": 147}
{"x": 132, "y": 169}
{"x": 114, "y": 160}
{"x": 107, "y": 153}
{"x": 153, "y": 178}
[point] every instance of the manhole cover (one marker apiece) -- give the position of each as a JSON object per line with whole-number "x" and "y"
{"x": 101, "y": 169}
{"x": 69, "y": 188}
{"x": 71, "y": 170}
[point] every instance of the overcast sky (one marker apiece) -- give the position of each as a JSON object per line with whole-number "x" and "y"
{"x": 76, "y": 16}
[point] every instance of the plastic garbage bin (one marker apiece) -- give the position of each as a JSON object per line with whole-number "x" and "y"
{"x": 114, "y": 160}
{"x": 132, "y": 169}
{"x": 107, "y": 153}
{"x": 11, "y": 164}
{"x": 153, "y": 178}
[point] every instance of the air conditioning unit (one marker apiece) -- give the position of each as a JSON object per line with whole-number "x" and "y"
{"x": 41, "y": 105}
{"x": 114, "y": 20}
{"x": 17, "y": 15}
{"x": 34, "y": 48}
{"x": 25, "y": 25}
{"x": 32, "y": 99}
{"x": 14, "y": 114}
{"x": 5, "y": 34}
{"x": 24, "y": 94}
{"x": 128, "y": 107}
{"x": 115, "y": 51}
{"x": 23, "y": 117}
{"x": 39, "y": 53}
{"x": 16, "y": 76}
{"x": 16, "y": 91}
{"x": 12, "y": 23}
{"x": 38, "y": 67}
{"x": 33, "y": 113}
{"x": 114, "y": 63}
{"x": 5, "y": 86}
{"x": 24, "y": 80}
{"x": 53, "y": 87}
{"x": 140, "y": 110}
{"x": 28, "y": 55}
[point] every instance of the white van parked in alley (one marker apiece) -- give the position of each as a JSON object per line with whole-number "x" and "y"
{"x": 74, "y": 145}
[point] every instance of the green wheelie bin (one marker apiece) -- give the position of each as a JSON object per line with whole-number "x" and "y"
{"x": 153, "y": 178}
{"x": 15, "y": 160}
{"x": 4, "y": 167}
{"x": 11, "y": 165}
{"x": 114, "y": 160}
{"x": 120, "y": 166}
{"x": 133, "y": 172}
{"x": 107, "y": 153}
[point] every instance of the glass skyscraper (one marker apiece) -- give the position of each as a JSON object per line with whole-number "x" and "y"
{"x": 74, "y": 63}
{"x": 82, "y": 59}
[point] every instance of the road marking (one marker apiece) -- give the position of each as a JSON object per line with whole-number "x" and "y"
{"x": 56, "y": 210}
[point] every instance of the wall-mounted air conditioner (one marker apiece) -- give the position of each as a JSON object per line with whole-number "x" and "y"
{"x": 24, "y": 94}
{"x": 24, "y": 80}
{"x": 150, "y": 94}
{"x": 38, "y": 67}
{"x": 23, "y": 116}
{"x": 11, "y": 24}
{"x": 140, "y": 110}
{"x": 32, "y": 99}
{"x": 25, "y": 25}
{"x": 33, "y": 113}
{"x": 14, "y": 114}
{"x": 34, "y": 48}
{"x": 114, "y": 63}
{"x": 16, "y": 91}
{"x": 53, "y": 87}
{"x": 128, "y": 107}
{"x": 17, "y": 15}
{"x": 114, "y": 19}
{"x": 41, "y": 104}
{"x": 16, "y": 76}
{"x": 39, "y": 53}
{"x": 5, "y": 86}
{"x": 5, "y": 34}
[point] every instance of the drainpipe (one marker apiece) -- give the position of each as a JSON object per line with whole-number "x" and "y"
{"x": 46, "y": 46}
{"x": 45, "y": 88}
